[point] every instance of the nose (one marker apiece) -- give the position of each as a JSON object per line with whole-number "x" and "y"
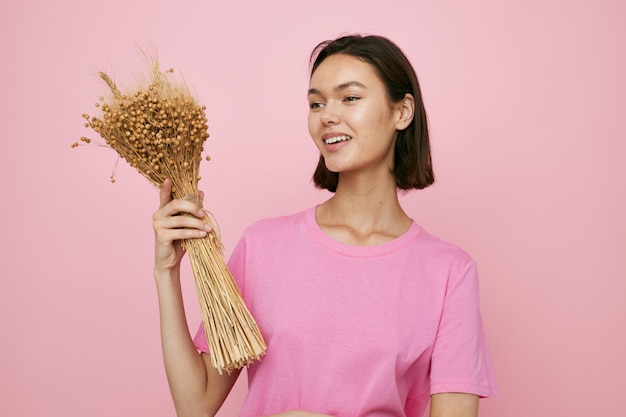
{"x": 330, "y": 115}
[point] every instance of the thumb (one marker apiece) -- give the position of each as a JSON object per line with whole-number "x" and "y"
{"x": 165, "y": 196}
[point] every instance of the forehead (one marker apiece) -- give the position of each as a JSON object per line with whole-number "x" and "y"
{"x": 340, "y": 69}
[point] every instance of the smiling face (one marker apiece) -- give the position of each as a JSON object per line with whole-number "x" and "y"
{"x": 351, "y": 119}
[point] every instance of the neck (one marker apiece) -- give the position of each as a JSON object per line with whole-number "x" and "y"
{"x": 365, "y": 208}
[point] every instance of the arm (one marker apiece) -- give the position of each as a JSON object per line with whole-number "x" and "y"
{"x": 453, "y": 405}
{"x": 196, "y": 387}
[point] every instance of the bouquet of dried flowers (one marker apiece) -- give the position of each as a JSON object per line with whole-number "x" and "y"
{"x": 160, "y": 130}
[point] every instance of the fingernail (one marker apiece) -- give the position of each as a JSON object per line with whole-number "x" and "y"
{"x": 201, "y": 213}
{"x": 202, "y": 233}
{"x": 208, "y": 227}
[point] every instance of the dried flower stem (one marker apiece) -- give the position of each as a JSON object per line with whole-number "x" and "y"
{"x": 160, "y": 131}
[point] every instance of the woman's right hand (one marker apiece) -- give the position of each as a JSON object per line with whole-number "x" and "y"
{"x": 170, "y": 227}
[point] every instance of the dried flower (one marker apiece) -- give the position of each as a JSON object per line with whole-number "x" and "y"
{"x": 160, "y": 130}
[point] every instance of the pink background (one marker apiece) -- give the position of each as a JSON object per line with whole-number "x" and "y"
{"x": 526, "y": 101}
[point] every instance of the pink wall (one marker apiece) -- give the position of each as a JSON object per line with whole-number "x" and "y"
{"x": 526, "y": 102}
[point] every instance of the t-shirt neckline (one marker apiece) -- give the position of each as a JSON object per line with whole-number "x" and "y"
{"x": 358, "y": 251}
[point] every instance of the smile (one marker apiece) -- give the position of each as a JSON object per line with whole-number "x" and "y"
{"x": 336, "y": 139}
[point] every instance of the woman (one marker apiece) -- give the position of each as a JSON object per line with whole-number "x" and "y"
{"x": 364, "y": 312}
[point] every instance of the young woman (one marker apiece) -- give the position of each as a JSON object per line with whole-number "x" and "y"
{"x": 364, "y": 313}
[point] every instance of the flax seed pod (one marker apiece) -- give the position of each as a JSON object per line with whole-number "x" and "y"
{"x": 160, "y": 130}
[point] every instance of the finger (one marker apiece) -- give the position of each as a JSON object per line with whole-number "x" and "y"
{"x": 181, "y": 222}
{"x": 165, "y": 196}
{"x": 168, "y": 236}
{"x": 176, "y": 207}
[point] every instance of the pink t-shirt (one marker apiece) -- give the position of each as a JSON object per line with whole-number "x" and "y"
{"x": 356, "y": 331}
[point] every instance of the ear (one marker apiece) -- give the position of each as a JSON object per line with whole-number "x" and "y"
{"x": 406, "y": 107}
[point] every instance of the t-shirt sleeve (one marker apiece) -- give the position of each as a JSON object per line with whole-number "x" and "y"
{"x": 461, "y": 360}
{"x": 236, "y": 265}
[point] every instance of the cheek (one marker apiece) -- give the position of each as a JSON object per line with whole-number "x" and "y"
{"x": 381, "y": 121}
{"x": 311, "y": 124}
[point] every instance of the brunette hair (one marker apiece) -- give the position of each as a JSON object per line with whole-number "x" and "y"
{"x": 412, "y": 159}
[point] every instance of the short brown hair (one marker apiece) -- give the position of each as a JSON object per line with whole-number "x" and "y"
{"x": 412, "y": 159}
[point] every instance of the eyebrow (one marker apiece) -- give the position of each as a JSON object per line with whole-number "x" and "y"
{"x": 340, "y": 87}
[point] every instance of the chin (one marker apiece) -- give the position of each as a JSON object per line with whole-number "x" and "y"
{"x": 336, "y": 168}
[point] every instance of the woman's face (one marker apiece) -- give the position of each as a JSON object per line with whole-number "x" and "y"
{"x": 351, "y": 120}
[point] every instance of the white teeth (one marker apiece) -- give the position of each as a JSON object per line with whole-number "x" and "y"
{"x": 336, "y": 139}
